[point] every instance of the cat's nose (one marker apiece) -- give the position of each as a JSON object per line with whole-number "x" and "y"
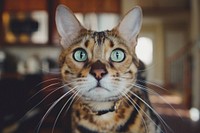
{"x": 98, "y": 73}
{"x": 98, "y": 70}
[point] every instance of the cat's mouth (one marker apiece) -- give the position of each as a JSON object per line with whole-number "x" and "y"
{"x": 98, "y": 88}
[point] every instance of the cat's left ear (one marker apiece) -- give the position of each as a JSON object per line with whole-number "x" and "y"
{"x": 67, "y": 25}
{"x": 130, "y": 25}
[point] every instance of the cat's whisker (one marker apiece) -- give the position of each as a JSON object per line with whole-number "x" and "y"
{"x": 149, "y": 106}
{"x": 52, "y": 106}
{"x": 73, "y": 100}
{"x": 151, "y": 91}
{"x": 73, "y": 96}
{"x": 56, "y": 71}
{"x": 51, "y": 85}
{"x": 148, "y": 68}
{"x": 159, "y": 117}
{"x": 145, "y": 113}
{"x": 48, "y": 80}
{"x": 134, "y": 105}
{"x": 48, "y": 72}
{"x": 77, "y": 79}
{"x": 127, "y": 77}
{"x": 153, "y": 110}
{"x": 47, "y": 97}
{"x": 30, "y": 110}
{"x": 124, "y": 78}
{"x": 151, "y": 83}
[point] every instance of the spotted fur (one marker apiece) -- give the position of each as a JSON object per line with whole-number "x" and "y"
{"x": 105, "y": 96}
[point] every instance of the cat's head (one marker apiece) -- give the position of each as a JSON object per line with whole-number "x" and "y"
{"x": 99, "y": 66}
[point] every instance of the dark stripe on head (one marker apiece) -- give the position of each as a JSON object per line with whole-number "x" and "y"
{"x": 99, "y": 37}
{"x": 111, "y": 43}
{"x": 86, "y": 43}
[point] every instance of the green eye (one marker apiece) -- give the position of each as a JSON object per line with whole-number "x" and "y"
{"x": 117, "y": 55}
{"x": 80, "y": 55}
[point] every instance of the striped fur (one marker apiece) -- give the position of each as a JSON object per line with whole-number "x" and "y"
{"x": 106, "y": 98}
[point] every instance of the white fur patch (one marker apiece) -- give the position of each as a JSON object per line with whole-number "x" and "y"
{"x": 109, "y": 89}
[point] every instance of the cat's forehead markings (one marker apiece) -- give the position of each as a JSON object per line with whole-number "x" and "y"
{"x": 99, "y": 37}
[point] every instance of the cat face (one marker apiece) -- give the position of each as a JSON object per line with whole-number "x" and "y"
{"x": 98, "y": 66}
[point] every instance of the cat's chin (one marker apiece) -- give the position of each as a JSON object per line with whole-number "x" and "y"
{"x": 109, "y": 99}
{"x": 99, "y": 94}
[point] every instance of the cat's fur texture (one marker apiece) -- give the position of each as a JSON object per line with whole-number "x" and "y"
{"x": 100, "y": 70}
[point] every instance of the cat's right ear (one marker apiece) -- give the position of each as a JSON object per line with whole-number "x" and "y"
{"x": 67, "y": 25}
{"x": 130, "y": 26}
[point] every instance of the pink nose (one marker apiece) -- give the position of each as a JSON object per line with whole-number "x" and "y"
{"x": 98, "y": 73}
{"x": 98, "y": 70}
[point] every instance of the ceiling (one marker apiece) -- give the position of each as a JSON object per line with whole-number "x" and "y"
{"x": 164, "y": 3}
{"x": 166, "y": 10}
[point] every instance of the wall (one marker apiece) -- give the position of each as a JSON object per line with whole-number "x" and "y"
{"x": 195, "y": 37}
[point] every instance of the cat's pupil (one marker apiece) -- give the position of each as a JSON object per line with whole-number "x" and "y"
{"x": 82, "y": 55}
{"x": 117, "y": 55}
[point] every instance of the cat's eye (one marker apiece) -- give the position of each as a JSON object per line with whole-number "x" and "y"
{"x": 80, "y": 55}
{"x": 117, "y": 55}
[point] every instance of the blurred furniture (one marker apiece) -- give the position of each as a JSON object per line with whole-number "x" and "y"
{"x": 25, "y": 99}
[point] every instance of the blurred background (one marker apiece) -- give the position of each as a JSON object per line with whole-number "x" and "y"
{"x": 169, "y": 46}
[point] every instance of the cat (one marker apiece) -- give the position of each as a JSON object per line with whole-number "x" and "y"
{"x": 100, "y": 71}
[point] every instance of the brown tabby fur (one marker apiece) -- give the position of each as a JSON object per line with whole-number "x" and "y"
{"x": 125, "y": 113}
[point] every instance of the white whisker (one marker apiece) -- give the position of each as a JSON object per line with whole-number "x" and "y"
{"x": 52, "y": 79}
{"x": 73, "y": 96}
{"x": 131, "y": 101}
{"x": 151, "y": 91}
{"x": 147, "y": 115}
{"x": 51, "y": 85}
{"x": 43, "y": 100}
{"x": 151, "y": 83}
{"x": 49, "y": 95}
{"x": 56, "y": 71}
{"x": 159, "y": 117}
{"x": 52, "y": 106}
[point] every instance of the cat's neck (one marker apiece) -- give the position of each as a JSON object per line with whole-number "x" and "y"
{"x": 96, "y": 107}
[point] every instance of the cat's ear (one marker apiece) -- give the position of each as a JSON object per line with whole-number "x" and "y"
{"x": 67, "y": 25}
{"x": 130, "y": 25}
